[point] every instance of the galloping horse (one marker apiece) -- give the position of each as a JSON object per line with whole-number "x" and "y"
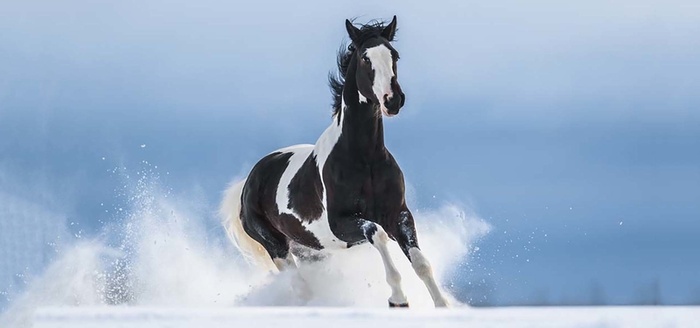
{"x": 346, "y": 189}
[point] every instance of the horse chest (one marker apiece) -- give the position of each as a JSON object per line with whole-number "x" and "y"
{"x": 370, "y": 190}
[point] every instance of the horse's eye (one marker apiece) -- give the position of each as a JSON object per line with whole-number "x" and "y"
{"x": 365, "y": 59}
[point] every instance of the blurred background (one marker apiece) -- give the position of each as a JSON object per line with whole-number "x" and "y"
{"x": 572, "y": 129}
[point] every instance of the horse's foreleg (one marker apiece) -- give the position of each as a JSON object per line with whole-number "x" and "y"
{"x": 376, "y": 236}
{"x": 407, "y": 239}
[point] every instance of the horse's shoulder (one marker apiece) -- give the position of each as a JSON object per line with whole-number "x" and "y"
{"x": 387, "y": 166}
{"x": 305, "y": 187}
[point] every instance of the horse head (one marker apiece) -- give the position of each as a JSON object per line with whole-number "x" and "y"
{"x": 375, "y": 61}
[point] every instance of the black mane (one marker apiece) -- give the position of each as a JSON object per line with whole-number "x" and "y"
{"x": 368, "y": 31}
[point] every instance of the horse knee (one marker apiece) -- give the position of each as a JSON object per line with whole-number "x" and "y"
{"x": 375, "y": 234}
{"x": 423, "y": 269}
{"x": 393, "y": 278}
{"x": 420, "y": 263}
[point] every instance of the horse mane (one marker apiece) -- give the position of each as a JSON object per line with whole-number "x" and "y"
{"x": 370, "y": 30}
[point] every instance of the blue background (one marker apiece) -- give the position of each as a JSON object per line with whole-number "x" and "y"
{"x": 573, "y": 129}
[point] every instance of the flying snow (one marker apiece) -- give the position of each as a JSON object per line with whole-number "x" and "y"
{"x": 164, "y": 252}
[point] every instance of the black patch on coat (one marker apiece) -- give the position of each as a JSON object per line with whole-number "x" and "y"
{"x": 295, "y": 231}
{"x": 258, "y": 205}
{"x": 406, "y": 232}
{"x": 369, "y": 231}
{"x": 306, "y": 191}
{"x": 259, "y": 213}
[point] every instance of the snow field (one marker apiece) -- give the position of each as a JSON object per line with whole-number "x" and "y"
{"x": 261, "y": 317}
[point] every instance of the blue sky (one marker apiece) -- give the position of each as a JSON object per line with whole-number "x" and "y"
{"x": 572, "y": 129}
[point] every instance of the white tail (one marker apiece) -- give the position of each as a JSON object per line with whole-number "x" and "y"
{"x": 230, "y": 212}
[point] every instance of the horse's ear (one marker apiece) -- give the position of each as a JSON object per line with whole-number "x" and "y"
{"x": 353, "y": 31}
{"x": 390, "y": 30}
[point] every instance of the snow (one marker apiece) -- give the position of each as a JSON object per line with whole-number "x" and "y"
{"x": 162, "y": 253}
{"x": 310, "y": 317}
{"x": 164, "y": 262}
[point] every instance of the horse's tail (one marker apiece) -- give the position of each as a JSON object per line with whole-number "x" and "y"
{"x": 230, "y": 213}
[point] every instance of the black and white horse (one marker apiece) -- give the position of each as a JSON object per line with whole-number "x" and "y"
{"x": 346, "y": 189}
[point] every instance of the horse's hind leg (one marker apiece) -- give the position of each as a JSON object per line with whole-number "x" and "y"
{"x": 274, "y": 242}
{"x": 408, "y": 241}
{"x": 376, "y": 235}
{"x": 277, "y": 246}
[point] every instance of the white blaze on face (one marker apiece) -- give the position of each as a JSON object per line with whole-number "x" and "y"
{"x": 382, "y": 64}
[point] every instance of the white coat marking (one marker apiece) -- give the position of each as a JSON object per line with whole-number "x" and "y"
{"x": 382, "y": 63}
{"x": 363, "y": 99}
{"x": 324, "y": 145}
{"x": 299, "y": 154}
{"x": 380, "y": 239}
{"x": 425, "y": 273}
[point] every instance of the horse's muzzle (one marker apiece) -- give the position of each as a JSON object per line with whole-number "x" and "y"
{"x": 394, "y": 104}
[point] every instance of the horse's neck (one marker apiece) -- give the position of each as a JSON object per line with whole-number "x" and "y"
{"x": 357, "y": 133}
{"x": 363, "y": 130}
{"x": 362, "y": 127}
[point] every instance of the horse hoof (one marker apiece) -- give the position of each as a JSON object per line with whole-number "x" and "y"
{"x": 398, "y": 305}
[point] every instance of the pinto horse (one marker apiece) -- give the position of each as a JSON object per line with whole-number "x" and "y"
{"x": 345, "y": 190}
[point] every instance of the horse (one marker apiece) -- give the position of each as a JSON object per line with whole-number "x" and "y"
{"x": 347, "y": 188}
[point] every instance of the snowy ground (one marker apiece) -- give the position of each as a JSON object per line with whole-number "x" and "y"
{"x": 259, "y": 317}
{"x": 163, "y": 261}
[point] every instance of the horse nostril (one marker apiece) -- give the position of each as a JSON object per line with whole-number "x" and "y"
{"x": 395, "y": 101}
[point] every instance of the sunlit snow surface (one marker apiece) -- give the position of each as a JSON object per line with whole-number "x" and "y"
{"x": 261, "y": 317}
